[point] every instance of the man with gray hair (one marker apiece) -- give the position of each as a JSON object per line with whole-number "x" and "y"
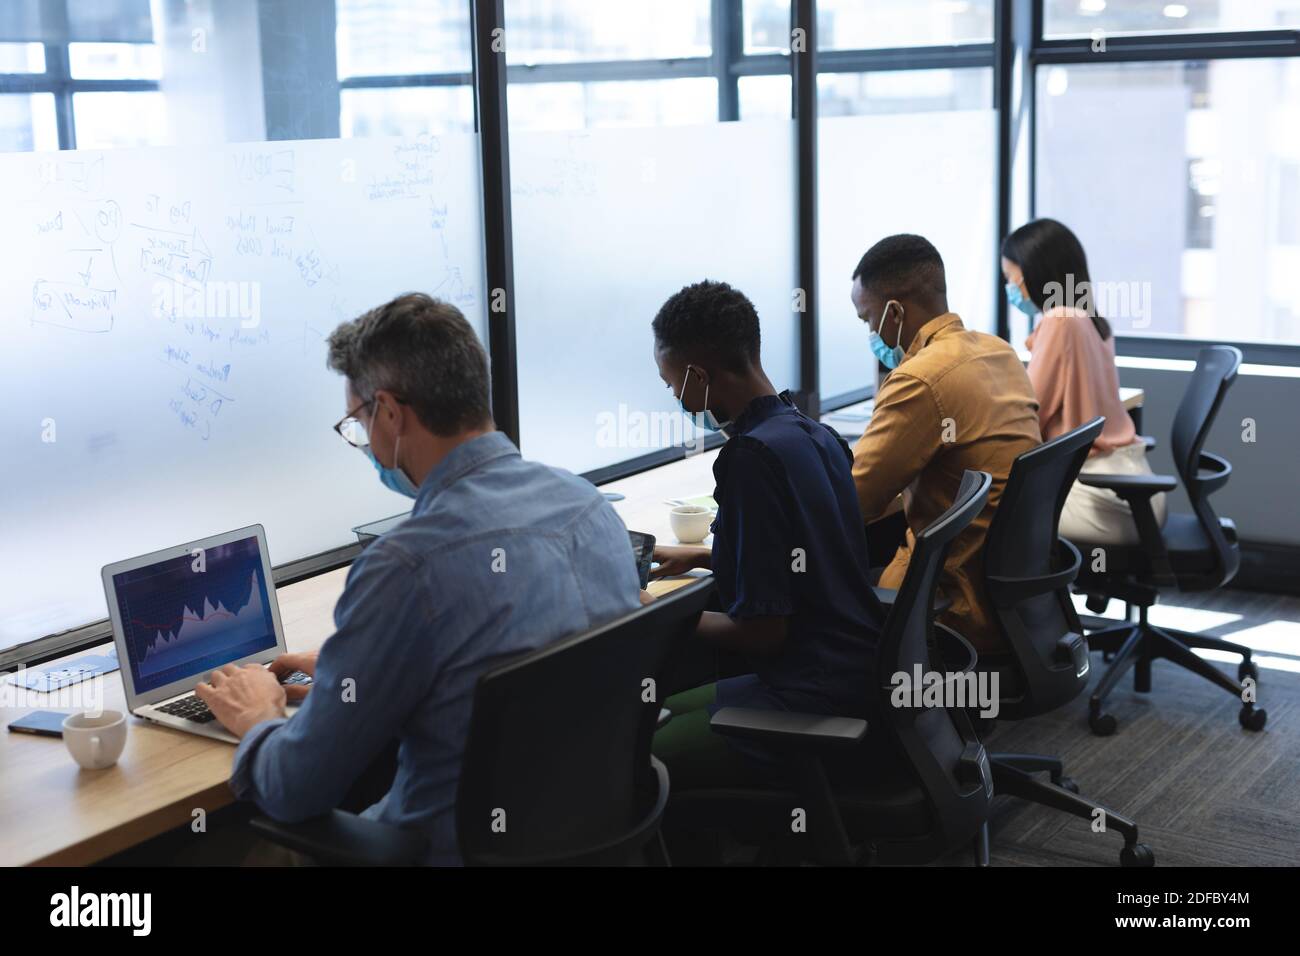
{"x": 499, "y": 556}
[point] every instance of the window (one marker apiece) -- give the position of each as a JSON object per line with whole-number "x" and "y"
{"x": 902, "y": 151}
{"x": 395, "y": 37}
{"x": 569, "y": 31}
{"x": 1176, "y": 177}
{"x": 405, "y": 111}
{"x": 22, "y": 58}
{"x": 853, "y": 24}
{"x": 904, "y": 91}
{"x": 1065, "y": 18}
{"x": 119, "y": 120}
{"x": 615, "y": 103}
{"x": 872, "y": 24}
{"x": 608, "y": 223}
{"x": 404, "y": 67}
{"x": 766, "y": 97}
{"x": 114, "y": 61}
{"x": 166, "y": 298}
{"x": 27, "y": 122}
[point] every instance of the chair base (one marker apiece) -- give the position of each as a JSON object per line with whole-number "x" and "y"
{"x": 1135, "y": 644}
{"x": 1013, "y": 776}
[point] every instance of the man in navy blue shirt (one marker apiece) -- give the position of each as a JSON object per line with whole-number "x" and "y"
{"x": 789, "y": 555}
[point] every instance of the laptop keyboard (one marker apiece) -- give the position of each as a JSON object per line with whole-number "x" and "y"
{"x": 188, "y": 707}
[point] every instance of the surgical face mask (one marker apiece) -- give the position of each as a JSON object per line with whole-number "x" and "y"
{"x": 394, "y": 479}
{"x": 889, "y": 357}
{"x": 706, "y": 419}
{"x": 1016, "y": 299}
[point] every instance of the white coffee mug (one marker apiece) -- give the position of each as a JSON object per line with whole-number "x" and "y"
{"x": 690, "y": 523}
{"x": 95, "y": 740}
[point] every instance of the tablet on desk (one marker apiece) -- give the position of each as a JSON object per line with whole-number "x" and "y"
{"x": 42, "y": 723}
{"x": 643, "y": 549}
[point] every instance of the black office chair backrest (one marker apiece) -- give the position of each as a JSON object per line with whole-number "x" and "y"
{"x": 1028, "y": 571}
{"x": 1201, "y": 472}
{"x": 557, "y": 766}
{"x": 939, "y": 744}
{"x": 1216, "y": 370}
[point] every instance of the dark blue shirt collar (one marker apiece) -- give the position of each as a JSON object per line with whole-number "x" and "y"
{"x": 463, "y": 459}
{"x": 760, "y": 410}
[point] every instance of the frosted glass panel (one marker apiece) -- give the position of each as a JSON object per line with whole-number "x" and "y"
{"x": 928, "y": 173}
{"x": 164, "y": 365}
{"x": 607, "y": 225}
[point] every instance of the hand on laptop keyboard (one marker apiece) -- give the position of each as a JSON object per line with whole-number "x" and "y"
{"x": 189, "y": 707}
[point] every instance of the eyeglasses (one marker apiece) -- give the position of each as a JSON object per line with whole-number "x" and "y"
{"x": 351, "y": 429}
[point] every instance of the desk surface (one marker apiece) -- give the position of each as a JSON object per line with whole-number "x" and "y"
{"x": 55, "y": 813}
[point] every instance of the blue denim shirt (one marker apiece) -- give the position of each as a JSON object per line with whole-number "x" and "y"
{"x": 499, "y": 556}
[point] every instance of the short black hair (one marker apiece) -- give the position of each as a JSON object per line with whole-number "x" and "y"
{"x": 903, "y": 266}
{"x": 710, "y": 317}
{"x": 423, "y": 351}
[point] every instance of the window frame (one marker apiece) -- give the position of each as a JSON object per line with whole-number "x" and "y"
{"x": 58, "y": 79}
{"x": 1018, "y": 47}
{"x": 1200, "y": 46}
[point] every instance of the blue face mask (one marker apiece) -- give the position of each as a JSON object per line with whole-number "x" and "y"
{"x": 706, "y": 419}
{"x": 1016, "y": 299}
{"x": 889, "y": 357}
{"x": 394, "y": 479}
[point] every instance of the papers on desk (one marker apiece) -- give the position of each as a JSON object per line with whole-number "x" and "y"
{"x": 73, "y": 672}
{"x": 851, "y": 421}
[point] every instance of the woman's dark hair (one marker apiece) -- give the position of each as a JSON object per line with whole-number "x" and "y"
{"x": 1053, "y": 261}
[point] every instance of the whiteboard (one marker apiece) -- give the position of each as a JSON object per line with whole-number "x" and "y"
{"x": 163, "y": 348}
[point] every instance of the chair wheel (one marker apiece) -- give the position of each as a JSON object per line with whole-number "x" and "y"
{"x": 1248, "y": 669}
{"x": 1067, "y": 783}
{"x": 1252, "y": 718}
{"x": 1103, "y": 725}
{"x": 1139, "y": 854}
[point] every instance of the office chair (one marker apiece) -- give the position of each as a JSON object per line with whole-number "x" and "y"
{"x": 1193, "y": 552}
{"x": 923, "y": 783}
{"x": 557, "y": 767}
{"x": 1027, "y": 575}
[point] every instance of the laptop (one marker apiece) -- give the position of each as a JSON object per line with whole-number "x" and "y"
{"x": 181, "y": 613}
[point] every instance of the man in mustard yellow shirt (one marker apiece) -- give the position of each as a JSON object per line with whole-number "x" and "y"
{"x": 955, "y": 400}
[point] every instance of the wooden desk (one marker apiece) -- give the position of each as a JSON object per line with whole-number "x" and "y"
{"x": 53, "y": 812}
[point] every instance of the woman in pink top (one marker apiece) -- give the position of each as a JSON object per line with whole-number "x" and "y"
{"x": 1072, "y": 368}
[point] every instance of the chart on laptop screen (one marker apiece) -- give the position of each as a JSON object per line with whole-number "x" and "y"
{"x": 190, "y": 614}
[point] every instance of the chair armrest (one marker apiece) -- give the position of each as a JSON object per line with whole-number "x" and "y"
{"x": 1131, "y": 486}
{"x": 887, "y": 597}
{"x": 789, "y": 730}
{"x": 1008, "y": 591}
{"x": 345, "y": 839}
{"x": 1137, "y": 491}
{"x": 1212, "y": 473}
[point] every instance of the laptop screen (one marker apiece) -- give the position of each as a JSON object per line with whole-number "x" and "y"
{"x": 184, "y": 616}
